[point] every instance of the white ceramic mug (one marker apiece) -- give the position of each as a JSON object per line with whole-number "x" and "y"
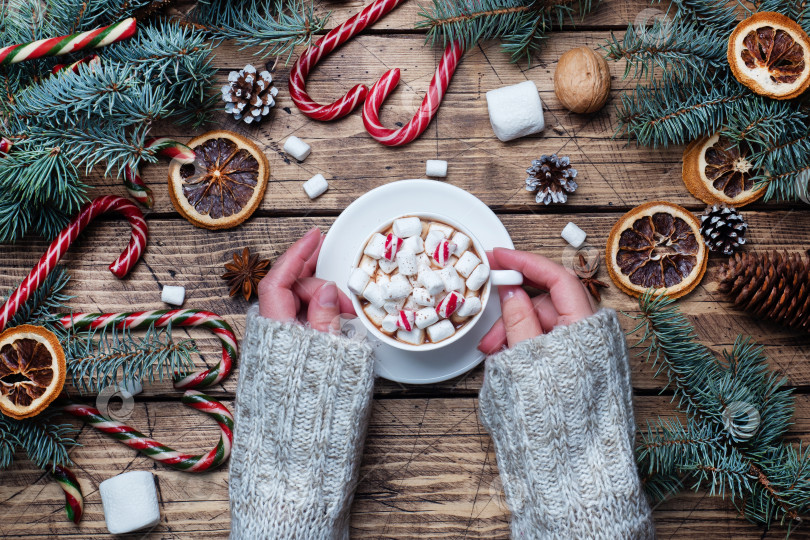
{"x": 496, "y": 277}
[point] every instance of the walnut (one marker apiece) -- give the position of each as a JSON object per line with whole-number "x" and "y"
{"x": 582, "y": 80}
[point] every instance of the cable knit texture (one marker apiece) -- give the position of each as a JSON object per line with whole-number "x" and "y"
{"x": 559, "y": 409}
{"x": 302, "y": 408}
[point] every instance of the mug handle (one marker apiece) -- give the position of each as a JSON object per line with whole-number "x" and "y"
{"x": 505, "y": 277}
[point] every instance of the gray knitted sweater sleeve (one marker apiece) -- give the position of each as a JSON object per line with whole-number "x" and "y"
{"x": 302, "y": 408}
{"x": 560, "y": 412}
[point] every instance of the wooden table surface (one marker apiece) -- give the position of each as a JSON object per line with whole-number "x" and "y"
{"x": 429, "y": 469}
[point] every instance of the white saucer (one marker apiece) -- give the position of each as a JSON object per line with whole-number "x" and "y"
{"x": 352, "y": 227}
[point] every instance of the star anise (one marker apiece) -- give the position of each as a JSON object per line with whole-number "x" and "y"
{"x": 245, "y": 272}
{"x": 586, "y": 272}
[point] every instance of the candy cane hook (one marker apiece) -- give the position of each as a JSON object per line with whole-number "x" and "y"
{"x": 159, "y": 451}
{"x": 119, "y": 267}
{"x": 163, "y": 146}
{"x": 162, "y": 318}
{"x": 425, "y": 113}
{"x": 328, "y": 43}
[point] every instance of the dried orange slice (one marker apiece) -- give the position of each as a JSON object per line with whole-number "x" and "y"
{"x": 32, "y": 370}
{"x": 770, "y": 54}
{"x": 717, "y": 170}
{"x": 224, "y": 185}
{"x": 656, "y": 245}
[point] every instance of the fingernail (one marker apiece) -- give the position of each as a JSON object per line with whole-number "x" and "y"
{"x": 328, "y": 295}
{"x": 311, "y": 232}
{"x": 506, "y": 293}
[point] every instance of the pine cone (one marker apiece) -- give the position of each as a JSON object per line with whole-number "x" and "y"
{"x": 551, "y": 177}
{"x": 248, "y": 95}
{"x": 772, "y": 286}
{"x": 723, "y": 229}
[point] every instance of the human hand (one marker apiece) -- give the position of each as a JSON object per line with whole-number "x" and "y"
{"x": 565, "y": 301}
{"x": 290, "y": 292}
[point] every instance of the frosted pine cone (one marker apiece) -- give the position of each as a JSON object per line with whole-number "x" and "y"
{"x": 249, "y": 95}
{"x": 551, "y": 177}
{"x": 723, "y": 229}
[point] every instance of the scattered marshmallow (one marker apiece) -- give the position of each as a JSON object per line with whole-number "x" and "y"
{"x": 388, "y": 266}
{"x": 297, "y": 148}
{"x": 399, "y": 287}
{"x": 478, "y": 277}
{"x": 425, "y": 317}
{"x": 392, "y": 245}
{"x": 373, "y": 293}
{"x": 441, "y": 331}
{"x": 389, "y": 324}
{"x": 462, "y": 242}
{"x": 447, "y": 230}
{"x": 316, "y": 186}
{"x": 383, "y": 279}
{"x": 392, "y": 307}
{"x": 406, "y": 260}
{"x": 470, "y": 307}
{"x": 515, "y": 111}
{"x": 407, "y": 227}
{"x": 432, "y": 240}
{"x": 415, "y": 244}
{"x": 467, "y": 263}
{"x": 414, "y": 337}
{"x": 422, "y": 260}
{"x": 173, "y": 294}
{"x": 358, "y": 280}
{"x": 405, "y": 319}
{"x": 452, "y": 281}
{"x": 422, "y": 297}
{"x": 436, "y": 167}
{"x": 130, "y": 502}
{"x": 414, "y": 281}
{"x": 431, "y": 280}
{"x": 410, "y": 304}
{"x": 375, "y": 315}
{"x": 368, "y": 265}
{"x": 443, "y": 253}
{"x": 450, "y": 304}
{"x": 375, "y": 246}
{"x": 573, "y": 235}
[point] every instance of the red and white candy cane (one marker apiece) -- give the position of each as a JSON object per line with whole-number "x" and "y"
{"x": 120, "y": 267}
{"x": 163, "y": 318}
{"x": 427, "y": 110}
{"x": 164, "y": 146}
{"x": 328, "y": 43}
{"x": 92, "y": 60}
{"x": 91, "y": 39}
{"x": 5, "y": 146}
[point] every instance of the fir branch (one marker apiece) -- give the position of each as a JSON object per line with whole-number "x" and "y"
{"x": 276, "y": 27}
{"x": 95, "y": 361}
{"x": 721, "y": 15}
{"x": 47, "y": 300}
{"x": 45, "y": 442}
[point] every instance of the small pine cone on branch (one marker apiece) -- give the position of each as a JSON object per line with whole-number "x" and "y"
{"x": 249, "y": 95}
{"x": 551, "y": 177}
{"x": 723, "y": 229}
{"x": 772, "y": 286}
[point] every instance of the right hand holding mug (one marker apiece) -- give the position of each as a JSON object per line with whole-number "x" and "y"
{"x": 565, "y": 302}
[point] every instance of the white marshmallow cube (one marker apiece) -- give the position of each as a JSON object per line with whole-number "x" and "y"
{"x": 173, "y": 294}
{"x": 388, "y": 266}
{"x": 450, "y": 304}
{"x": 375, "y": 247}
{"x": 392, "y": 307}
{"x": 467, "y": 263}
{"x": 297, "y": 148}
{"x": 478, "y": 277}
{"x": 414, "y": 337}
{"x": 316, "y": 186}
{"x": 425, "y": 317}
{"x": 423, "y": 261}
{"x": 446, "y": 229}
{"x": 383, "y": 279}
{"x": 410, "y": 305}
{"x": 462, "y": 242}
{"x": 358, "y": 280}
{"x": 373, "y": 293}
{"x": 441, "y": 331}
{"x": 375, "y": 315}
{"x": 573, "y": 235}
{"x": 406, "y": 260}
{"x": 407, "y": 227}
{"x": 368, "y": 265}
{"x": 452, "y": 281}
{"x": 399, "y": 287}
{"x": 432, "y": 240}
{"x": 431, "y": 280}
{"x": 389, "y": 324}
{"x": 515, "y": 111}
{"x": 422, "y": 297}
{"x": 130, "y": 502}
{"x": 415, "y": 244}
{"x": 436, "y": 167}
{"x": 470, "y": 307}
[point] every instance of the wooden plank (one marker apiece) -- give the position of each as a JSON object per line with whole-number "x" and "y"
{"x": 428, "y": 470}
{"x": 179, "y": 254}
